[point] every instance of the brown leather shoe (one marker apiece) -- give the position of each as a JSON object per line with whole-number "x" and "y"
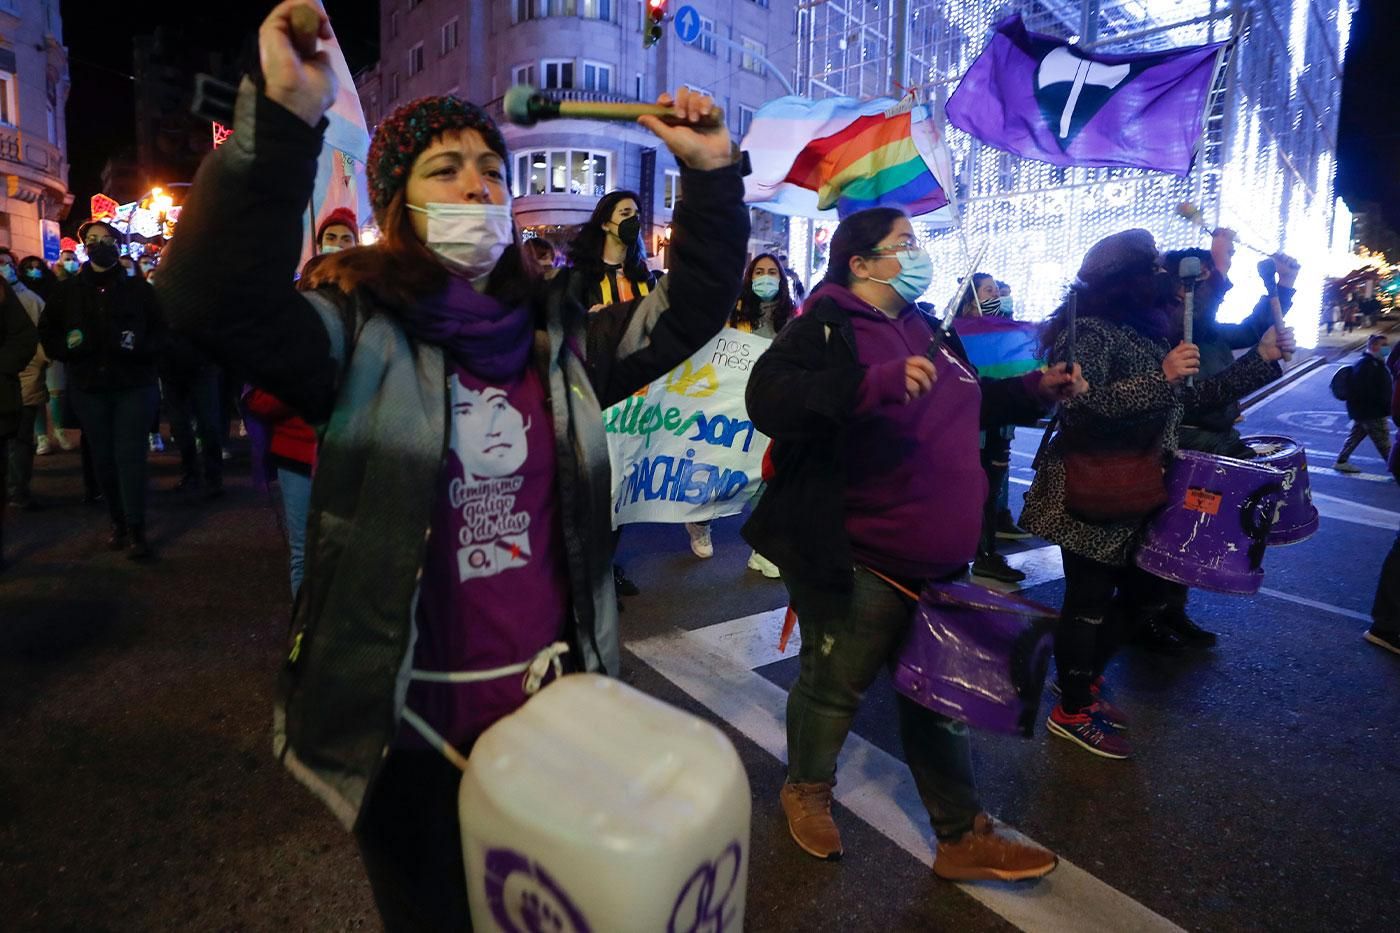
{"x": 808, "y": 811}
{"x": 992, "y": 851}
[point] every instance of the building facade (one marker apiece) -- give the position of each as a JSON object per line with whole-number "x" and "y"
{"x": 1265, "y": 166}
{"x": 33, "y": 134}
{"x": 585, "y": 50}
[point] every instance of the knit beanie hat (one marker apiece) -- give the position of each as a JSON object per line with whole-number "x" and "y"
{"x": 409, "y": 130}
{"x": 342, "y": 216}
{"x": 1116, "y": 253}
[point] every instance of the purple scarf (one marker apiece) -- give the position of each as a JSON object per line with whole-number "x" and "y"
{"x": 483, "y": 336}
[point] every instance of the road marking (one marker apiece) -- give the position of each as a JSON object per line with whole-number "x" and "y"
{"x": 878, "y": 788}
{"x": 1314, "y": 604}
{"x": 1368, "y": 477}
{"x": 1347, "y": 511}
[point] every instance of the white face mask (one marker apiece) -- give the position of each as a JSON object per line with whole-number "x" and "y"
{"x": 468, "y": 238}
{"x": 329, "y": 249}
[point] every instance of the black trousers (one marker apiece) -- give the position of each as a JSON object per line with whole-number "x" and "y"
{"x": 1385, "y": 611}
{"x": 1093, "y": 620}
{"x": 996, "y": 462}
{"x": 411, "y": 844}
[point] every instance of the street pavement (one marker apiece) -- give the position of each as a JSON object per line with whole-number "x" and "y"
{"x": 138, "y": 792}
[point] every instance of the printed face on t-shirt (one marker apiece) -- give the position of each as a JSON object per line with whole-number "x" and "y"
{"x": 490, "y": 433}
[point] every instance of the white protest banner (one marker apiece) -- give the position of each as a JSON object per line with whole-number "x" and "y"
{"x": 684, "y": 450}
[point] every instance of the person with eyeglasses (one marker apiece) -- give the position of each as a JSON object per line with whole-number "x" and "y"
{"x": 107, "y": 327}
{"x": 877, "y": 480}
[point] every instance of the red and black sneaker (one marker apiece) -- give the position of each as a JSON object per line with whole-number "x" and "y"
{"x": 1090, "y": 730}
{"x": 1115, "y": 716}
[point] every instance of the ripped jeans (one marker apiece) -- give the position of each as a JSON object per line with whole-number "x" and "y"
{"x": 846, "y": 638}
{"x": 1092, "y": 626}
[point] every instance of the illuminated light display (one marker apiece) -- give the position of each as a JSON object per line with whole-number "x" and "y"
{"x": 1265, "y": 166}
{"x": 221, "y": 133}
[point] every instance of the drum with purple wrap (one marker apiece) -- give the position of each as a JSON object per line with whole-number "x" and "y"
{"x": 1295, "y": 516}
{"x": 977, "y": 656}
{"x": 1213, "y": 530}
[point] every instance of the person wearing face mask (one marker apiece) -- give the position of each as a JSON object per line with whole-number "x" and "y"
{"x": 34, "y": 393}
{"x": 607, "y": 263}
{"x": 983, "y": 299}
{"x": 460, "y": 510}
{"x": 108, "y": 329}
{"x": 40, "y": 279}
{"x": 876, "y": 479}
{"x": 337, "y": 231}
{"x": 765, "y": 306}
{"x": 1128, "y": 312}
{"x": 66, "y": 265}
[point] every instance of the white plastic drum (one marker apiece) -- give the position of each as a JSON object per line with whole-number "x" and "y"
{"x": 598, "y": 808}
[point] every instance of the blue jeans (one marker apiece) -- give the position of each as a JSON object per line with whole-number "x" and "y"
{"x": 115, "y": 423}
{"x": 296, "y": 504}
{"x": 846, "y": 639}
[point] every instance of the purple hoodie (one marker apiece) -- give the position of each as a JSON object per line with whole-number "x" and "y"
{"x": 916, "y": 486}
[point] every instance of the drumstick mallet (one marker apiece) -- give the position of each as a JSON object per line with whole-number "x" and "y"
{"x": 525, "y": 106}
{"x": 306, "y": 30}
{"x": 1189, "y": 271}
{"x": 1268, "y": 271}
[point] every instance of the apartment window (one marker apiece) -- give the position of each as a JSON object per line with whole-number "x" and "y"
{"x": 671, "y": 193}
{"x": 762, "y": 3}
{"x": 745, "y": 120}
{"x": 7, "y": 99}
{"x": 596, "y": 9}
{"x": 638, "y": 91}
{"x": 393, "y": 24}
{"x": 53, "y": 125}
{"x": 449, "y": 36}
{"x": 706, "y": 42}
{"x": 562, "y": 171}
{"x": 753, "y": 52}
{"x": 563, "y": 7}
{"x": 393, "y": 87}
{"x": 523, "y": 74}
{"x": 558, "y": 73}
{"x": 597, "y": 77}
{"x": 415, "y": 59}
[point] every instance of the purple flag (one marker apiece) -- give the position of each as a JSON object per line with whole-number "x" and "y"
{"x": 1042, "y": 98}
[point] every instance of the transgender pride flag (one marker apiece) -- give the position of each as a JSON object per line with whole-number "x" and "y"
{"x": 808, "y": 157}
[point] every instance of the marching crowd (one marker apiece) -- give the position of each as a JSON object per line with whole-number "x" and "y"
{"x": 451, "y": 378}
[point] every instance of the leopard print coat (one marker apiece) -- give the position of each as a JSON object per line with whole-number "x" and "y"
{"x": 1129, "y": 403}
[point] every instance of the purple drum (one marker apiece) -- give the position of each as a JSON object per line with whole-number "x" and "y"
{"x": 1295, "y": 517}
{"x": 977, "y": 656}
{"x": 1213, "y": 530}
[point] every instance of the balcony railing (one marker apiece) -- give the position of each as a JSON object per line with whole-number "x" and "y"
{"x": 33, "y": 153}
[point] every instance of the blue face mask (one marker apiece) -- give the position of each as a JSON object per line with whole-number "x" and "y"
{"x": 8, "y": 271}
{"x": 765, "y": 286}
{"x": 915, "y": 275}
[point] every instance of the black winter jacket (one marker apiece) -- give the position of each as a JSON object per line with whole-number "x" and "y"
{"x": 17, "y": 343}
{"x": 802, "y": 393}
{"x": 1368, "y": 396}
{"x": 107, "y": 327}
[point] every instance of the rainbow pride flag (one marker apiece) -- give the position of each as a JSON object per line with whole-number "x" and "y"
{"x": 810, "y": 157}
{"x": 999, "y": 347}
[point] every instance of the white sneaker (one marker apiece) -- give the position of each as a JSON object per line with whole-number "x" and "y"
{"x": 42, "y": 447}
{"x": 63, "y": 440}
{"x": 1342, "y": 466}
{"x": 764, "y": 566}
{"x": 700, "y": 541}
{"x": 157, "y": 445}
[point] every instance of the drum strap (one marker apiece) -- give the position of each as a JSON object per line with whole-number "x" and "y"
{"x": 894, "y": 583}
{"x": 535, "y": 671}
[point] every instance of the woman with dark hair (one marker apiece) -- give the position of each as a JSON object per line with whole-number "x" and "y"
{"x": 37, "y": 276}
{"x": 40, "y": 279}
{"x": 876, "y": 481}
{"x": 607, "y": 264}
{"x": 1129, "y": 313}
{"x": 765, "y": 306}
{"x": 983, "y": 298}
{"x": 460, "y": 513}
{"x": 608, "y": 260}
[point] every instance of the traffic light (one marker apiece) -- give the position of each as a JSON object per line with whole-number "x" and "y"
{"x": 652, "y": 29}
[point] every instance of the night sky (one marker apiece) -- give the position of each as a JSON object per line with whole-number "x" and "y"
{"x": 101, "y": 107}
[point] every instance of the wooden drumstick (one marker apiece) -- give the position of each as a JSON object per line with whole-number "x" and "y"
{"x": 1268, "y": 271}
{"x": 306, "y": 30}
